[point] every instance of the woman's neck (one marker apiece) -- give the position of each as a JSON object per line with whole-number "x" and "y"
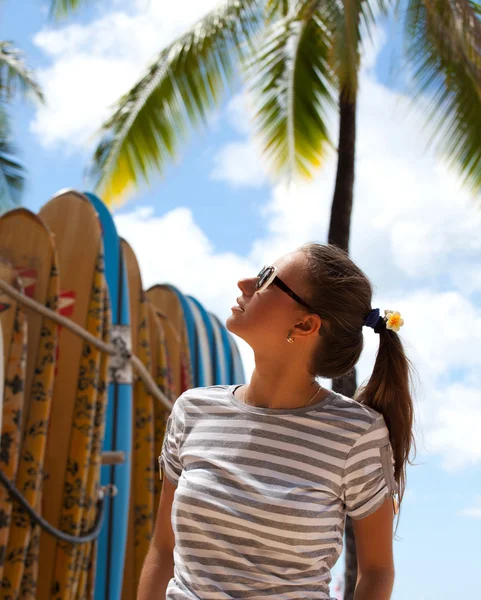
{"x": 281, "y": 388}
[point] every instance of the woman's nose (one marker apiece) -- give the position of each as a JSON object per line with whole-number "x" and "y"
{"x": 246, "y": 285}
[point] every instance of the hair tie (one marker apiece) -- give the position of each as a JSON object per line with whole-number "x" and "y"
{"x": 392, "y": 320}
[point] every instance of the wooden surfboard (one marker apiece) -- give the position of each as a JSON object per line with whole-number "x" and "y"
{"x": 84, "y": 585}
{"x": 141, "y": 516}
{"x": 28, "y": 244}
{"x": 14, "y": 327}
{"x": 118, "y": 431}
{"x": 162, "y": 375}
{"x": 166, "y": 300}
{"x": 74, "y": 223}
{"x": 1, "y": 374}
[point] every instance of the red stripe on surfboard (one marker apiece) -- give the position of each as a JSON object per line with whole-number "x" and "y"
{"x": 66, "y": 305}
{"x": 29, "y": 279}
{"x": 4, "y": 306}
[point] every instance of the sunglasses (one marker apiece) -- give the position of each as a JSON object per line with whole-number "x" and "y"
{"x": 268, "y": 275}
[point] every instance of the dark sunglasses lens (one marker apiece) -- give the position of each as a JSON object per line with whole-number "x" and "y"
{"x": 263, "y": 276}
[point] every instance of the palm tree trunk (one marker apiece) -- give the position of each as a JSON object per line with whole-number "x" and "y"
{"x": 340, "y": 225}
{"x": 339, "y": 230}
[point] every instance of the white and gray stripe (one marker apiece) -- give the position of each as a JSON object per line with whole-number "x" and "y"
{"x": 262, "y": 493}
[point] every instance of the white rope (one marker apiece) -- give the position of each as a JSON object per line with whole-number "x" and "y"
{"x": 137, "y": 364}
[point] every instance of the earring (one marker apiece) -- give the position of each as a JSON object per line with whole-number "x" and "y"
{"x": 289, "y": 339}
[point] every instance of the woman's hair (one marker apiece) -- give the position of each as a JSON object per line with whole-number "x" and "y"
{"x": 341, "y": 295}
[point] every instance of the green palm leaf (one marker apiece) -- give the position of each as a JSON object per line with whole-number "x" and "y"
{"x": 276, "y": 8}
{"x": 347, "y": 21}
{"x": 292, "y": 85}
{"x": 12, "y": 174}
{"x": 180, "y": 87}
{"x": 15, "y": 76}
{"x": 63, "y": 8}
{"x": 443, "y": 43}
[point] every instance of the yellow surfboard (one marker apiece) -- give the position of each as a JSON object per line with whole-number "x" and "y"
{"x": 14, "y": 327}
{"x": 84, "y": 584}
{"x": 141, "y": 517}
{"x": 28, "y": 244}
{"x": 75, "y": 225}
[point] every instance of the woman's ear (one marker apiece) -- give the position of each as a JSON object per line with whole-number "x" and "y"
{"x": 309, "y": 325}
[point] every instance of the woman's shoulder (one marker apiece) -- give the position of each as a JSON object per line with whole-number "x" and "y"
{"x": 351, "y": 409}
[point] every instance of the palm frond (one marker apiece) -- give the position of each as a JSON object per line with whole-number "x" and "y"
{"x": 276, "y": 8}
{"x": 12, "y": 174}
{"x": 349, "y": 21}
{"x": 15, "y": 76}
{"x": 176, "y": 93}
{"x": 443, "y": 44}
{"x": 63, "y": 8}
{"x": 291, "y": 83}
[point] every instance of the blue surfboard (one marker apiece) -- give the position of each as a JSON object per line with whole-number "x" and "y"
{"x": 202, "y": 345}
{"x": 220, "y": 362}
{"x": 227, "y": 351}
{"x": 207, "y": 339}
{"x": 118, "y": 428}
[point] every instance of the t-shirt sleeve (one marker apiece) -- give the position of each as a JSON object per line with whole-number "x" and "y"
{"x": 368, "y": 476}
{"x": 169, "y": 459}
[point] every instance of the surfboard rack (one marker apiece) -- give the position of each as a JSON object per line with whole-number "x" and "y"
{"x": 84, "y": 538}
{"x": 137, "y": 364}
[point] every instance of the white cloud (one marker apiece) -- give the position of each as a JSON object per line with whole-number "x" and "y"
{"x": 93, "y": 65}
{"x": 475, "y": 510}
{"x": 239, "y": 164}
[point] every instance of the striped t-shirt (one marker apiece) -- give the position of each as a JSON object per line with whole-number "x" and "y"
{"x": 261, "y": 498}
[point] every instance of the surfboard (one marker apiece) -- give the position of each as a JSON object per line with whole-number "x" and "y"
{"x": 28, "y": 244}
{"x": 74, "y": 223}
{"x": 84, "y": 585}
{"x": 118, "y": 431}
{"x": 195, "y": 358}
{"x": 162, "y": 375}
{"x": 207, "y": 342}
{"x": 227, "y": 351}
{"x": 221, "y": 373}
{"x": 1, "y": 374}
{"x": 14, "y": 326}
{"x": 168, "y": 303}
{"x": 141, "y": 515}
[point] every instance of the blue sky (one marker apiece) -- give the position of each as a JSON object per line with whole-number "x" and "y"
{"x": 215, "y": 216}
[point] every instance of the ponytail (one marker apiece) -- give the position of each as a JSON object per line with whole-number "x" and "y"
{"x": 388, "y": 392}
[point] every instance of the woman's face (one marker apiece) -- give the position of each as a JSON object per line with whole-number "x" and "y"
{"x": 268, "y": 316}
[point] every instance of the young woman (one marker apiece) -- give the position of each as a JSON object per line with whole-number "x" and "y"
{"x": 259, "y": 477}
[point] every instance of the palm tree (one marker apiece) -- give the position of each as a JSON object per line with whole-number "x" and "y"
{"x": 299, "y": 58}
{"x": 15, "y": 78}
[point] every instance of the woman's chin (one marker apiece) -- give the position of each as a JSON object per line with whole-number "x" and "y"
{"x": 232, "y": 324}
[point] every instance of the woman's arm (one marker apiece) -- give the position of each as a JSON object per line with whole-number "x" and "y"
{"x": 158, "y": 566}
{"x": 156, "y": 573}
{"x": 373, "y": 537}
{"x": 374, "y": 586}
